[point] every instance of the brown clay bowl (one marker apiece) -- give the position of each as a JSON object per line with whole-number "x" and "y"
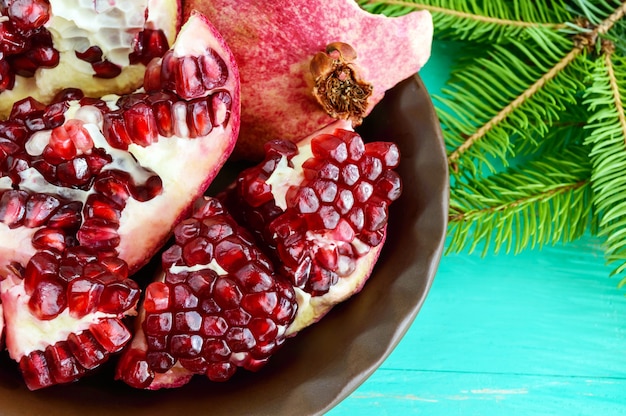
{"x": 326, "y": 362}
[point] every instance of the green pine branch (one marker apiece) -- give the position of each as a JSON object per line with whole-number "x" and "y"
{"x": 534, "y": 121}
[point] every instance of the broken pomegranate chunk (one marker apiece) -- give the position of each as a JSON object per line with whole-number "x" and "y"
{"x": 217, "y": 306}
{"x": 59, "y": 299}
{"x": 321, "y": 208}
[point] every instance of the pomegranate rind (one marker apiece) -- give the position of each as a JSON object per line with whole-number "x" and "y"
{"x": 72, "y": 72}
{"x": 274, "y": 43}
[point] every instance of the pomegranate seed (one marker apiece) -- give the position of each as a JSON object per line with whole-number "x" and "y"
{"x": 106, "y": 69}
{"x": 98, "y": 206}
{"x": 114, "y": 130}
{"x": 160, "y": 361}
{"x": 149, "y": 44}
{"x": 7, "y": 77}
{"x": 35, "y": 370}
{"x": 184, "y": 298}
{"x": 387, "y": 152}
{"x": 12, "y": 41}
{"x": 162, "y": 109}
{"x": 48, "y": 298}
{"x": 13, "y": 207}
{"x": 99, "y": 234}
{"x": 26, "y": 107}
{"x": 67, "y": 216}
{"x": 111, "y": 334}
{"x": 92, "y": 54}
{"x": 84, "y": 296}
{"x": 188, "y": 78}
{"x": 157, "y": 297}
{"x": 49, "y": 238}
{"x": 87, "y": 351}
{"x": 64, "y": 367}
{"x": 169, "y": 73}
{"x": 198, "y": 118}
{"x": 29, "y": 14}
{"x": 140, "y": 124}
{"x": 213, "y": 70}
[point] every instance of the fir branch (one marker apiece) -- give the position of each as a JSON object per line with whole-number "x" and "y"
{"x": 488, "y": 21}
{"x": 544, "y": 201}
{"x": 514, "y": 91}
{"x": 607, "y": 134}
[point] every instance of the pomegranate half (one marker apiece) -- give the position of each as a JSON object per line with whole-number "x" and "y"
{"x": 274, "y": 43}
{"x": 91, "y": 188}
{"x": 98, "y": 46}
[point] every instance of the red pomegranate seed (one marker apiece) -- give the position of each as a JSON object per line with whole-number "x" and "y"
{"x": 13, "y": 207}
{"x": 111, "y": 334}
{"x": 98, "y": 234}
{"x": 48, "y": 298}
{"x": 162, "y": 108}
{"x": 39, "y": 208}
{"x": 98, "y": 206}
{"x": 118, "y": 296}
{"x": 35, "y": 370}
{"x": 64, "y": 367}
{"x": 7, "y": 77}
{"x": 28, "y": 14}
{"x": 114, "y": 130}
{"x": 67, "y": 216}
{"x": 92, "y": 54}
{"x": 84, "y": 296}
{"x": 50, "y": 238}
{"x": 12, "y": 41}
{"x": 213, "y": 70}
{"x": 198, "y": 118}
{"x": 106, "y": 69}
{"x": 386, "y": 151}
{"x": 149, "y": 44}
{"x": 140, "y": 124}
{"x": 87, "y": 351}
{"x": 189, "y": 78}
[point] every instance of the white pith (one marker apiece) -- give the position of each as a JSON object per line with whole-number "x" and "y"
{"x": 213, "y": 265}
{"x": 40, "y": 333}
{"x": 112, "y": 25}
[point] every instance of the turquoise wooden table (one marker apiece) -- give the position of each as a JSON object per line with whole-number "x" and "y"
{"x": 539, "y": 333}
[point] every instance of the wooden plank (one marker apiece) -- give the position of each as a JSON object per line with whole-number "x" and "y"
{"x": 505, "y": 333}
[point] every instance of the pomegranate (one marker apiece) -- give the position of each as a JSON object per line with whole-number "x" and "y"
{"x": 319, "y": 210}
{"x": 217, "y": 306}
{"x": 274, "y": 43}
{"x": 98, "y": 46}
{"x": 90, "y": 189}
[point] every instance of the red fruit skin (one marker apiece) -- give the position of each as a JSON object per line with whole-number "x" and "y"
{"x": 275, "y": 41}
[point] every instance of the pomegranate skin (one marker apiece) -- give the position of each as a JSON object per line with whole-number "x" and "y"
{"x": 274, "y": 43}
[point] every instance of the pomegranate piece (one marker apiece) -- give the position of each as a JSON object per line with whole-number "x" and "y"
{"x": 99, "y": 47}
{"x": 321, "y": 207}
{"x": 217, "y": 306}
{"x": 55, "y": 303}
{"x": 90, "y": 189}
{"x": 277, "y": 85}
